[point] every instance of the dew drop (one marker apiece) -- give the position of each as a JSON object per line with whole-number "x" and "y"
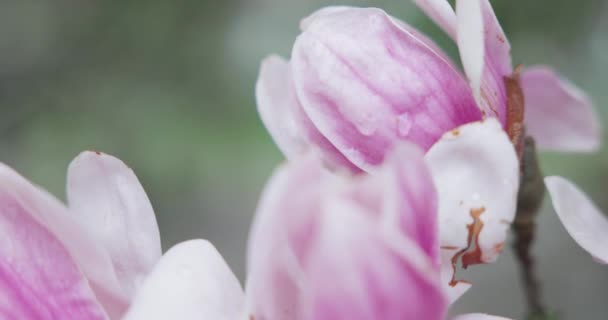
{"x": 368, "y": 124}
{"x": 404, "y": 124}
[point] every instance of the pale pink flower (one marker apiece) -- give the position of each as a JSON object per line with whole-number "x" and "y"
{"x": 323, "y": 246}
{"x": 360, "y": 80}
{"x": 337, "y": 247}
{"x": 89, "y": 260}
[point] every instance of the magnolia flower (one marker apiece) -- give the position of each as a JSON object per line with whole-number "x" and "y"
{"x": 333, "y": 247}
{"x": 360, "y": 80}
{"x": 322, "y": 247}
{"x": 587, "y": 225}
{"x": 100, "y": 255}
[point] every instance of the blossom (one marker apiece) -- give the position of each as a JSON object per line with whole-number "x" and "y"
{"x": 327, "y": 246}
{"x": 360, "y": 80}
{"x": 93, "y": 258}
{"x": 587, "y": 225}
{"x": 351, "y": 66}
{"x": 476, "y": 173}
{"x": 323, "y": 246}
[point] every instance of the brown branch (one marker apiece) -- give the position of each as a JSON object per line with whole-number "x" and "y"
{"x": 529, "y": 200}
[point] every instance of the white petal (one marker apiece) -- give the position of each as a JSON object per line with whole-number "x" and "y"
{"x": 587, "y": 225}
{"x": 276, "y": 106}
{"x": 453, "y": 288}
{"x": 486, "y": 55}
{"x": 442, "y": 14}
{"x": 105, "y": 196}
{"x": 470, "y": 39}
{"x": 191, "y": 281}
{"x": 476, "y": 172}
{"x": 558, "y": 115}
{"x": 478, "y": 316}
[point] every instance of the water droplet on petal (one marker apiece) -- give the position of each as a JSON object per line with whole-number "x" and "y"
{"x": 368, "y": 124}
{"x": 404, "y": 124}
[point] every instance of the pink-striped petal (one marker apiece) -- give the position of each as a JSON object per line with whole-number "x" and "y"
{"x": 191, "y": 281}
{"x": 274, "y": 275}
{"x": 327, "y": 12}
{"x": 106, "y": 198}
{"x": 411, "y": 198}
{"x": 366, "y": 82}
{"x": 311, "y": 223}
{"x": 38, "y": 277}
{"x": 356, "y": 272}
{"x": 558, "y": 115}
{"x": 587, "y": 225}
{"x": 89, "y": 256}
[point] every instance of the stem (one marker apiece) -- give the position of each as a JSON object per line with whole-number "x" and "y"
{"x": 529, "y": 200}
{"x": 524, "y": 237}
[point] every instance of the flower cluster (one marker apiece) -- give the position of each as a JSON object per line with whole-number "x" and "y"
{"x": 400, "y": 168}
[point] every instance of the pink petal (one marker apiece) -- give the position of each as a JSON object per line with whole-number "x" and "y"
{"x": 441, "y": 12}
{"x": 191, "y": 281}
{"x": 354, "y": 273}
{"x": 90, "y": 256}
{"x": 273, "y": 288}
{"x": 587, "y": 225}
{"x": 328, "y": 12}
{"x": 411, "y": 198}
{"x": 374, "y": 229}
{"x": 367, "y": 82}
{"x": 476, "y": 172}
{"x": 479, "y": 316}
{"x": 558, "y": 115}
{"x": 38, "y": 277}
{"x": 105, "y": 196}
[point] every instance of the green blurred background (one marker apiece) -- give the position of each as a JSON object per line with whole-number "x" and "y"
{"x": 167, "y": 86}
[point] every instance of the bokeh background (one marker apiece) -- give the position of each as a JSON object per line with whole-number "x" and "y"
{"x": 168, "y": 86}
